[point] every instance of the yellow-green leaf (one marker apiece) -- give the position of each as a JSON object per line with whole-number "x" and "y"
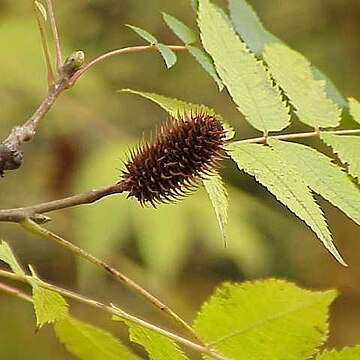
{"x": 354, "y": 106}
{"x": 167, "y": 54}
{"x": 256, "y": 36}
{"x": 285, "y": 182}
{"x": 218, "y": 196}
{"x": 244, "y": 76}
{"x": 182, "y": 31}
{"x": 158, "y": 346}
{"x": 8, "y": 257}
{"x": 292, "y": 71}
{"x": 269, "y": 319}
{"x": 177, "y": 107}
{"x": 49, "y": 306}
{"x": 322, "y": 176}
{"x": 144, "y": 34}
{"x": 348, "y": 353}
{"x": 348, "y": 150}
{"x": 88, "y": 342}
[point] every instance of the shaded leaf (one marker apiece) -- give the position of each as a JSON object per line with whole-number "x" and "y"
{"x": 177, "y": 107}
{"x": 182, "y": 31}
{"x": 244, "y": 76}
{"x": 9, "y": 258}
{"x": 88, "y": 342}
{"x": 168, "y": 55}
{"x": 249, "y": 27}
{"x": 285, "y": 182}
{"x": 352, "y": 353}
{"x": 144, "y": 34}
{"x": 322, "y": 176}
{"x": 207, "y": 64}
{"x": 354, "y": 106}
{"x": 217, "y": 193}
{"x": 42, "y": 10}
{"x": 269, "y": 319}
{"x": 49, "y": 305}
{"x": 292, "y": 71}
{"x": 348, "y": 150}
{"x": 256, "y": 36}
{"x": 157, "y": 346}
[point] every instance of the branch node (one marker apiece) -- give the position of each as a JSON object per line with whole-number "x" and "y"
{"x": 10, "y": 157}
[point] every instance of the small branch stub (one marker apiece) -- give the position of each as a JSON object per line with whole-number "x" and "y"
{"x": 10, "y": 157}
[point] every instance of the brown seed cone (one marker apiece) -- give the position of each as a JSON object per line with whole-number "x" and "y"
{"x": 183, "y": 152}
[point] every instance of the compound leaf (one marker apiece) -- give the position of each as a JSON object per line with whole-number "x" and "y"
{"x": 182, "y": 31}
{"x": 322, "y": 176}
{"x": 285, "y": 182}
{"x": 292, "y": 71}
{"x": 348, "y": 150}
{"x": 244, "y": 76}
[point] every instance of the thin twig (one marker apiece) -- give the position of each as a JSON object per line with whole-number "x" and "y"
{"x": 59, "y": 61}
{"x": 263, "y": 139}
{"x": 19, "y": 214}
{"x": 45, "y": 47}
{"x": 109, "y": 309}
{"x": 34, "y": 228}
{"x": 15, "y": 292}
{"x": 125, "y": 50}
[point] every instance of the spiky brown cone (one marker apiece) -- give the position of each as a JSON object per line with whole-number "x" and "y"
{"x": 182, "y": 153}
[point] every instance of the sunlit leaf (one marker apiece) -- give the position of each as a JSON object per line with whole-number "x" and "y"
{"x": 49, "y": 305}
{"x": 144, "y": 34}
{"x": 177, "y": 107}
{"x": 206, "y": 62}
{"x": 354, "y": 109}
{"x": 348, "y": 150}
{"x": 322, "y": 176}
{"x": 292, "y": 71}
{"x": 244, "y": 76}
{"x": 218, "y": 196}
{"x": 352, "y": 353}
{"x": 157, "y": 346}
{"x": 270, "y": 319}
{"x": 88, "y": 342}
{"x": 182, "y": 31}
{"x": 285, "y": 182}
{"x": 9, "y": 258}
{"x": 168, "y": 55}
{"x": 256, "y": 36}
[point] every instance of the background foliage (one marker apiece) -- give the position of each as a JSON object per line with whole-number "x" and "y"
{"x": 263, "y": 238}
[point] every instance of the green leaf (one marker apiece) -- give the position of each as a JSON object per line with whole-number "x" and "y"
{"x": 9, "y": 258}
{"x": 352, "y": 353}
{"x": 256, "y": 36}
{"x": 144, "y": 34}
{"x": 177, "y": 107}
{"x": 322, "y": 176}
{"x": 168, "y": 55}
{"x": 354, "y": 109}
{"x": 348, "y": 150}
{"x": 249, "y": 27}
{"x": 157, "y": 346}
{"x": 244, "y": 76}
{"x": 88, "y": 342}
{"x": 292, "y": 71}
{"x": 285, "y": 182}
{"x": 269, "y": 319}
{"x": 49, "y": 306}
{"x": 42, "y": 10}
{"x": 207, "y": 64}
{"x": 182, "y": 31}
{"x": 218, "y": 196}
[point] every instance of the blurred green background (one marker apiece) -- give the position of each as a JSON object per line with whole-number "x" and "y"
{"x": 175, "y": 251}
